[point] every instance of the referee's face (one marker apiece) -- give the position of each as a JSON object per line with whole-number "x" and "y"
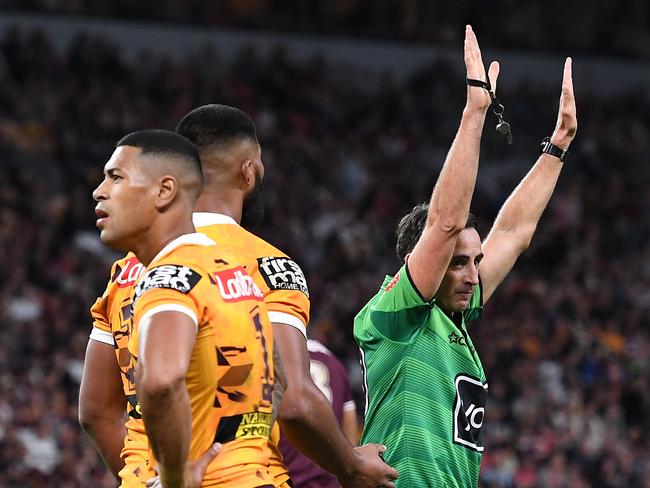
{"x": 461, "y": 277}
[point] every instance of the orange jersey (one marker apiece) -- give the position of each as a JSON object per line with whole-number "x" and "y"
{"x": 230, "y": 375}
{"x": 279, "y": 277}
{"x": 285, "y": 294}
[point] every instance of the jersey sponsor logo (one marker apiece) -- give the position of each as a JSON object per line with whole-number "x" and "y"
{"x": 254, "y": 424}
{"x": 461, "y": 340}
{"x": 457, "y": 339}
{"x": 469, "y": 412}
{"x": 392, "y": 282}
{"x": 130, "y": 273}
{"x": 171, "y": 276}
{"x": 282, "y": 274}
{"x": 235, "y": 285}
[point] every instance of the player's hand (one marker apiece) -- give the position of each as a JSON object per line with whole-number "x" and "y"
{"x": 371, "y": 470}
{"x": 477, "y": 97}
{"x": 567, "y": 120}
{"x": 194, "y": 471}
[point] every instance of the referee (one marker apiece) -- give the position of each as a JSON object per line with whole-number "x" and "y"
{"x": 425, "y": 385}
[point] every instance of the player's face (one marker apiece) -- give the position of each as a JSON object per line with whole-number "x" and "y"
{"x": 253, "y": 209}
{"x": 462, "y": 274}
{"x": 125, "y": 199}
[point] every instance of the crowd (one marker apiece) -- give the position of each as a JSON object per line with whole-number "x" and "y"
{"x": 596, "y": 27}
{"x": 565, "y": 341}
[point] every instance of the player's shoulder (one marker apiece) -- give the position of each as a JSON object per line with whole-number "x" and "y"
{"x": 318, "y": 347}
{"x": 224, "y": 230}
{"x": 319, "y": 352}
{"x": 126, "y": 270}
{"x": 179, "y": 266}
{"x": 259, "y": 246}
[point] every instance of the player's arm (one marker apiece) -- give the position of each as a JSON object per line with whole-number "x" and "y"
{"x": 166, "y": 342}
{"x": 308, "y": 421}
{"x": 350, "y": 426}
{"x": 280, "y": 383}
{"x": 517, "y": 220}
{"x": 452, "y": 194}
{"x": 102, "y": 404}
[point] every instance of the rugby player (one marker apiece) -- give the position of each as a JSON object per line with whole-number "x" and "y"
{"x": 200, "y": 335}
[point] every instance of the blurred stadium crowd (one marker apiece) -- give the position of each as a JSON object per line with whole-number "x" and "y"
{"x": 565, "y": 341}
{"x": 598, "y": 26}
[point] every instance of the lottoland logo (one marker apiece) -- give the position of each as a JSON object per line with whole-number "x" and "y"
{"x": 235, "y": 285}
{"x": 130, "y": 273}
{"x": 281, "y": 273}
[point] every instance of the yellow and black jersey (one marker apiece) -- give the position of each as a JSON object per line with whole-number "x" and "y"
{"x": 230, "y": 376}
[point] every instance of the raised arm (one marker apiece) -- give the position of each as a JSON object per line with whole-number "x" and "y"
{"x": 452, "y": 194}
{"x": 516, "y": 222}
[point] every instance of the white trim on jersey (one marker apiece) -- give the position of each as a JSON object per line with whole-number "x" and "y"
{"x": 172, "y": 307}
{"x": 288, "y": 319}
{"x": 203, "y": 219}
{"x": 349, "y": 405}
{"x": 364, "y": 370}
{"x": 102, "y": 336}
{"x": 194, "y": 238}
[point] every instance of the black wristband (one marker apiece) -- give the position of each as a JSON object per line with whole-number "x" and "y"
{"x": 547, "y": 147}
{"x": 503, "y": 127}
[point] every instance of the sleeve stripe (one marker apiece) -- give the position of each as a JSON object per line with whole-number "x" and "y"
{"x": 102, "y": 336}
{"x": 349, "y": 405}
{"x": 172, "y": 307}
{"x": 288, "y": 319}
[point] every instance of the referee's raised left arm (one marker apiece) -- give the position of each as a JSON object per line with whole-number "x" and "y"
{"x": 517, "y": 220}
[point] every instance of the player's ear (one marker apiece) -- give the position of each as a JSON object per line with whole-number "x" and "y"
{"x": 248, "y": 174}
{"x": 167, "y": 190}
{"x": 406, "y": 258}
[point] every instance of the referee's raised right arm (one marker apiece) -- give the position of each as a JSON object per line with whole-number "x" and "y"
{"x": 452, "y": 194}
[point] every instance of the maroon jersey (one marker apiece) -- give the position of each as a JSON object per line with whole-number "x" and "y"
{"x": 331, "y": 378}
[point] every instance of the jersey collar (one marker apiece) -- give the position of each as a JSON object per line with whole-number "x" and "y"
{"x": 203, "y": 219}
{"x": 196, "y": 238}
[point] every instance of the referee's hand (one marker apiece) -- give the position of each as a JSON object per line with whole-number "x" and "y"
{"x": 477, "y": 97}
{"x": 567, "y": 120}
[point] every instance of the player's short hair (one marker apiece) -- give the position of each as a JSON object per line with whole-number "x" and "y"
{"x": 169, "y": 145}
{"x": 163, "y": 142}
{"x": 411, "y": 226}
{"x": 215, "y": 126}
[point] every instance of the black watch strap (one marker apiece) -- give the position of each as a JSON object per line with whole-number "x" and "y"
{"x": 547, "y": 147}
